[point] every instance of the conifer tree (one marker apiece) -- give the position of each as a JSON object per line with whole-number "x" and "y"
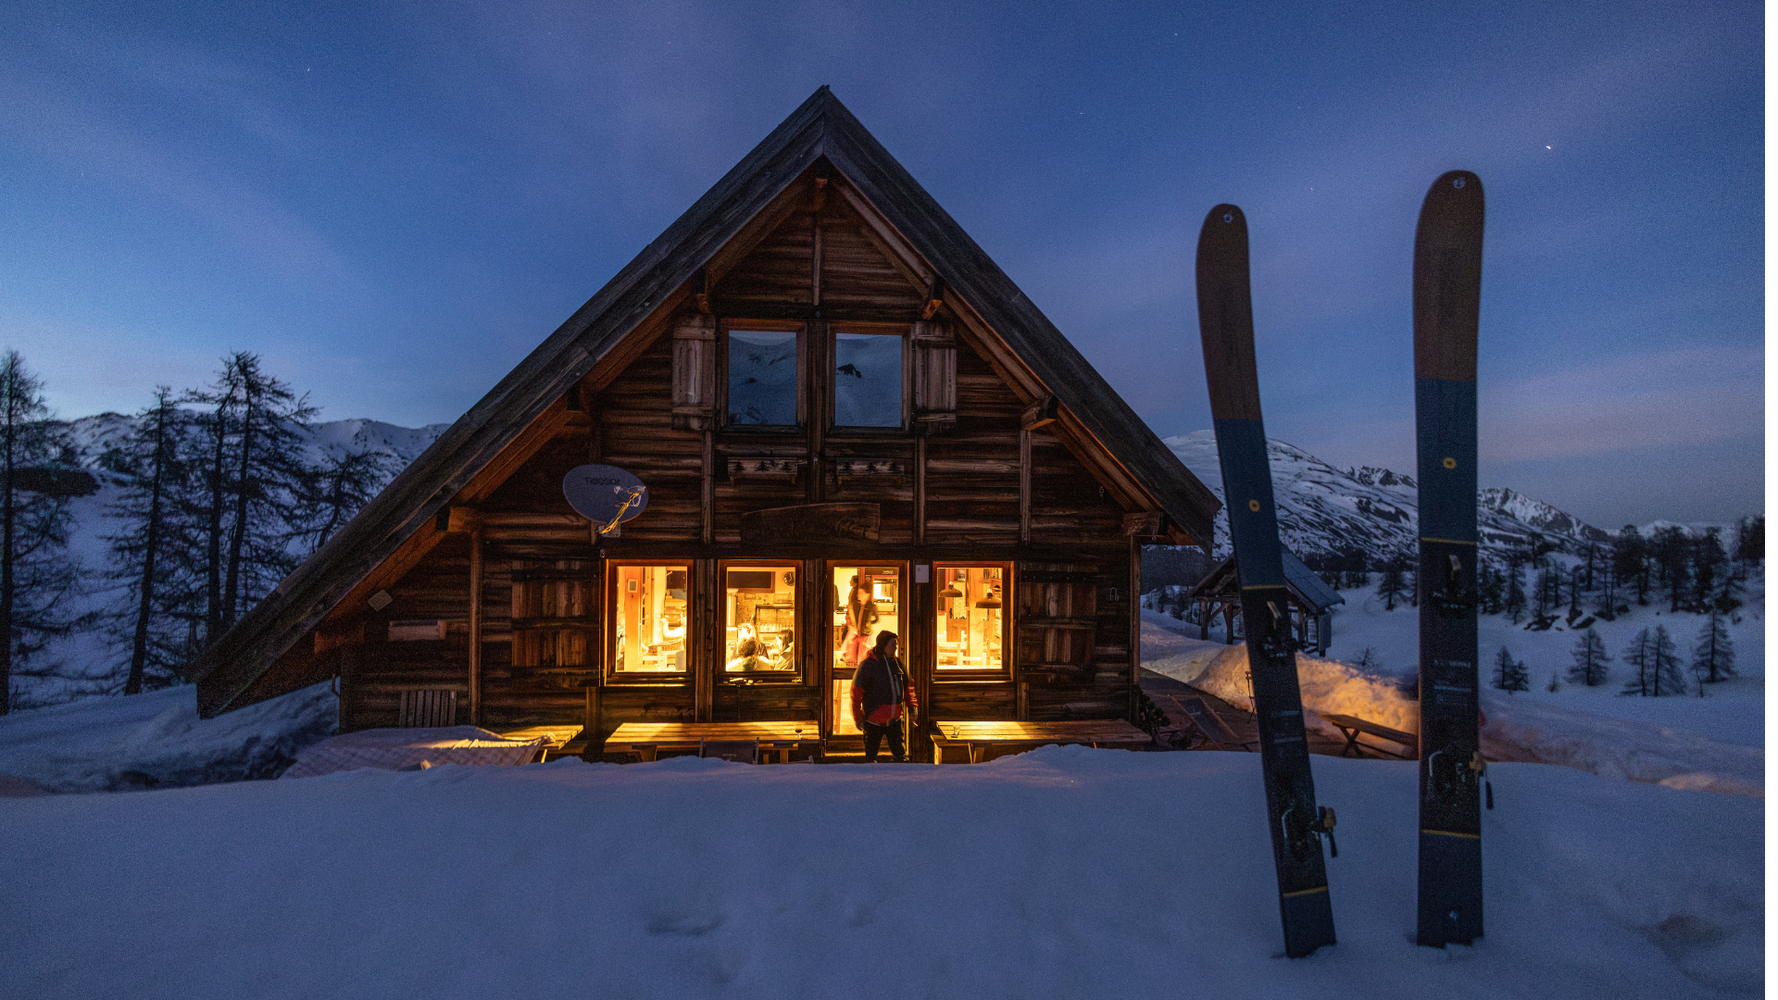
{"x": 1714, "y": 657}
{"x": 1391, "y": 586}
{"x": 1709, "y": 560}
{"x": 36, "y": 574}
{"x": 1655, "y": 660}
{"x": 1510, "y": 674}
{"x": 1750, "y": 541}
{"x": 1630, "y": 561}
{"x": 338, "y": 488}
{"x": 1591, "y": 662}
{"x": 1671, "y": 549}
{"x": 155, "y": 551}
{"x": 1514, "y": 602}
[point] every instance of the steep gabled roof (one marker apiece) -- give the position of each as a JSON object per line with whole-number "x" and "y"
{"x": 229, "y": 672}
{"x": 1310, "y": 590}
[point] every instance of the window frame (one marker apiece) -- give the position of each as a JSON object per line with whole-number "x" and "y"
{"x": 673, "y": 678}
{"x": 722, "y": 373}
{"x": 946, "y": 675}
{"x": 719, "y": 655}
{"x": 831, "y": 374}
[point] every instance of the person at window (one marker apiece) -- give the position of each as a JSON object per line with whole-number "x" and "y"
{"x": 784, "y": 661}
{"x": 880, "y": 692}
{"x": 747, "y": 657}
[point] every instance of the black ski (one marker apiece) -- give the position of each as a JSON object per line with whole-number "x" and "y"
{"x": 1225, "y": 324}
{"x": 1447, "y": 299}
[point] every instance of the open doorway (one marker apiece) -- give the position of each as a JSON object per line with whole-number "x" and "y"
{"x": 867, "y": 599}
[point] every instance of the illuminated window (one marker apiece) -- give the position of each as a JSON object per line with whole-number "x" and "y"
{"x": 762, "y": 378}
{"x": 867, "y": 380}
{"x": 649, "y": 617}
{"x": 971, "y": 618}
{"x": 761, "y": 640}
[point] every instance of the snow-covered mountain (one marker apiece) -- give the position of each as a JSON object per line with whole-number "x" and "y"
{"x": 92, "y": 435}
{"x": 1323, "y": 511}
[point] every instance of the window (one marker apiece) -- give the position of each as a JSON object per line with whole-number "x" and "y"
{"x": 648, "y": 620}
{"x": 762, "y": 378}
{"x": 868, "y": 379}
{"x": 971, "y": 610}
{"x": 761, "y": 641}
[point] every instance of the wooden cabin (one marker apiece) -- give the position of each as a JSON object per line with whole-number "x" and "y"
{"x": 821, "y": 379}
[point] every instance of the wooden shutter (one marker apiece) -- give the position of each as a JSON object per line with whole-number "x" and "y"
{"x": 1057, "y": 620}
{"x": 694, "y": 373}
{"x": 935, "y": 377}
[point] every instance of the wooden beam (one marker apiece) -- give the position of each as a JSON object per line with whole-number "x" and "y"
{"x": 1024, "y": 487}
{"x": 1040, "y": 413}
{"x": 815, "y": 277}
{"x": 935, "y": 299}
{"x": 1134, "y": 594}
{"x": 812, "y": 522}
{"x": 475, "y": 626}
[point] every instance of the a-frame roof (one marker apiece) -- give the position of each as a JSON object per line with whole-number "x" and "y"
{"x": 229, "y": 673}
{"x": 1310, "y": 590}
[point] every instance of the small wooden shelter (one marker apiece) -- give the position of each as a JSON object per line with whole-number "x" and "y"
{"x": 1311, "y": 602}
{"x": 848, "y": 419}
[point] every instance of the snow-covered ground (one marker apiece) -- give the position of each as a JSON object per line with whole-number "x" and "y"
{"x": 1066, "y": 872}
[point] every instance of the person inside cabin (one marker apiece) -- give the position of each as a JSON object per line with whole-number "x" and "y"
{"x": 783, "y": 660}
{"x": 747, "y": 657}
{"x": 861, "y": 614}
{"x": 880, "y": 692}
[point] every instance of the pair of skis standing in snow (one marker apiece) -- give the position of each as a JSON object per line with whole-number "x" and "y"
{"x": 1447, "y": 296}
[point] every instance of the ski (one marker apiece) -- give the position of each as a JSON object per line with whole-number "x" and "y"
{"x": 1225, "y": 324}
{"x": 1447, "y": 299}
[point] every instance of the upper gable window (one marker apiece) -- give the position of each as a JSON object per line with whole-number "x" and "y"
{"x": 869, "y": 384}
{"x": 762, "y": 377}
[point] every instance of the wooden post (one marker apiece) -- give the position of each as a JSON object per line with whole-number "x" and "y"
{"x": 590, "y": 719}
{"x": 708, "y": 496}
{"x": 1024, "y": 487}
{"x": 706, "y": 657}
{"x": 1134, "y": 594}
{"x": 920, "y": 490}
{"x": 475, "y": 625}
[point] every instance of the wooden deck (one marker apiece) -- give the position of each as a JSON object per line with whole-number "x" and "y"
{"x": 961, "y": 742}
{"x": 1240, "y": 721}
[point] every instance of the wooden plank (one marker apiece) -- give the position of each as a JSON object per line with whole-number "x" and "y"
{"x": 1024, "y": 487}
{"x": 807, "y": 523}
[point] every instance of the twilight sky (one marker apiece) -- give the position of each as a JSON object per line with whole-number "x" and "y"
{"x": 394, "y": 203}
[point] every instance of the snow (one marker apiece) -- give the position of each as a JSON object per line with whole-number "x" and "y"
{"x": 1066, "y": 872}
{"x": 110, "y": 743}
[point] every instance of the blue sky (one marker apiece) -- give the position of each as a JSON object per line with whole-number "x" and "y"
{"x": 393, "y": 203}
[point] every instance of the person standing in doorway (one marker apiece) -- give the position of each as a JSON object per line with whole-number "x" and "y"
{"x": 880, "y": 692}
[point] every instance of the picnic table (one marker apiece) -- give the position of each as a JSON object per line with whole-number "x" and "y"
{"x": 1352, "y": 726}
{"x": 961, "y": 742}
{"x": 648, "y": 739}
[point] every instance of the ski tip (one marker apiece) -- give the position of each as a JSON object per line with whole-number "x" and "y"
{"x": 1223, "y": 238}
{"x": 1453, "y": 207}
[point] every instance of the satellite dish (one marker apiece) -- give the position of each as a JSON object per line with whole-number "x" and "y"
{"x": 604, "y": 494}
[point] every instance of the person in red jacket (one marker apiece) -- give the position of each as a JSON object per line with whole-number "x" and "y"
{"x": 880, "y": 690}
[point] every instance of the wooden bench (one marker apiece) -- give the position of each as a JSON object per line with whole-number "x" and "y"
{"x": 559, "y": 739}
{"x": 1209, "y": 725}
{"x": 958, "y": 742}
{"x": 776, "y": 739}
{"x": 1352, "y": 726}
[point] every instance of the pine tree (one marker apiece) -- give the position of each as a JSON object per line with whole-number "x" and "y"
{"x": 1490, "y": 587}
{"x": 1750, "y": 540}
{"x": 1590, "y": 660}
{"x": 1656, "y": 662}
{"x": 254, "y": 474}
{"x": 1514, "y": 602}
{"x": 155, "y": 551}
{"x": 1709, "y": 560}
{"x": 1671, "y": 548}
{"x": 1510, "y": 674}
{"x": 1630, "y": 561}
{"x": 1391, "y": 586}
{"x": 336, "y": 490}
{"x": 37, "y": 576}
{"x": 1714, "y": 657}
